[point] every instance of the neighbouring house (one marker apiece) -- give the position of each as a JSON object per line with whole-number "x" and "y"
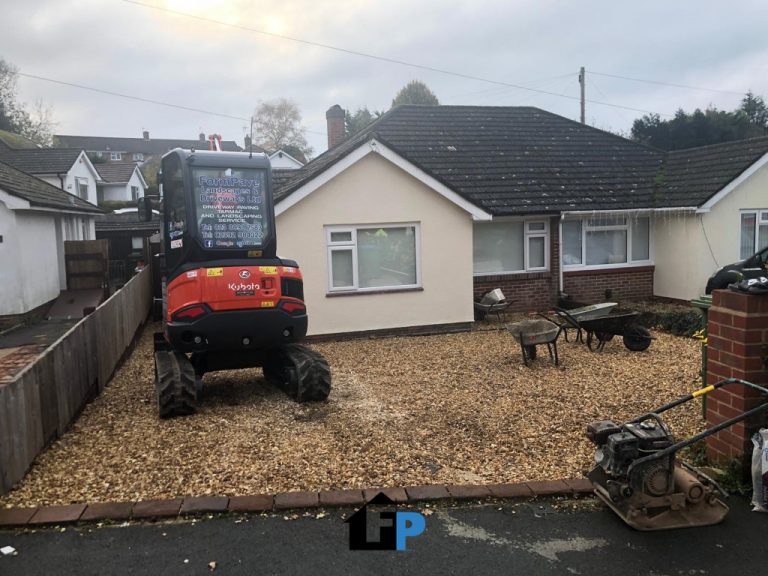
{"x": 120, "y": 182}
{"x": 281, "y": 160}
{"x": 725, "y": 187}
{"x": 128, "y": 240}
{"x": 399, "y": 226}
{"x": 140, "y": 150}
{"x": 35, "y": 220}
{"x": 67, "y": 168}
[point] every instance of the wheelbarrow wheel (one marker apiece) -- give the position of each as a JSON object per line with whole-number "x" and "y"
{"x": 637, "y": 338}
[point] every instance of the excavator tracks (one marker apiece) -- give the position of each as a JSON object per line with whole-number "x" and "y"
{"x": 175, "y": 384}
{"x": 300, "y": 372}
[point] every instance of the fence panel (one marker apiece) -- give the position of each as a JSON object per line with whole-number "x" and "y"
{"x": 41, "y": 402}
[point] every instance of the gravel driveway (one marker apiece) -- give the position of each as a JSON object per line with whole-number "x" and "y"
{"x": 457, "y": 408}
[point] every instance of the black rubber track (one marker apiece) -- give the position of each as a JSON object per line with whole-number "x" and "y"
{"x": 300, "y": 372}
{"x": 175, "y": 384}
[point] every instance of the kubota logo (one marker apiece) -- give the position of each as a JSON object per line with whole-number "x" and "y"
{"x": 252, "y": 287}
{"x": 244, "y": 274}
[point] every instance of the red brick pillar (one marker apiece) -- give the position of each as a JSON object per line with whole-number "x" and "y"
{"x": 737, "y": 347}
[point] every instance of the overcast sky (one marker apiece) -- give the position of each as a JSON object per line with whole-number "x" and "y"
{"x": 122, "y": 47}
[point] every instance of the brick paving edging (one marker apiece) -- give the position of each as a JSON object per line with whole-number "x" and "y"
{"x": 172, "y": 508}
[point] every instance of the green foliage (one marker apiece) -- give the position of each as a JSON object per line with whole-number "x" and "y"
{"x": 96, "y": 159}
{"x": 358, "y": 120}
{"x": 415, "y": 92}
{"x": 37, "y": 125}
{"x": 700, "y": 128}
{"x": 678, "y": 322}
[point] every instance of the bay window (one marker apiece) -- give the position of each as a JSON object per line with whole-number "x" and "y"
{"x": 606, "y": 241}
{"x": 367, "y": 258}
{"x": 503, "y": 247}
{"x": 754, "y": 232}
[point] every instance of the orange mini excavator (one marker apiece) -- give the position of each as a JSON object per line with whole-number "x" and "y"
{"x": 228, "y": 301}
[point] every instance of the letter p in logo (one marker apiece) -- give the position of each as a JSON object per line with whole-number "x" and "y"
{"x": 408, "y": 524}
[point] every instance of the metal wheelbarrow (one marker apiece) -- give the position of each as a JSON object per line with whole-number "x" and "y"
{"x": 530, "y": 333}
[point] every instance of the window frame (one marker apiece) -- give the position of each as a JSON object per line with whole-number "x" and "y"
{"x": 351, "y": 246}
{"x": 627, "y": 227}
{"x": 528, "y": 234}
{"x": 115, "y": 156}
{"x": 759, "y": 213}
{"x": 79, "y": 183}
{"x": 138, "y": 157}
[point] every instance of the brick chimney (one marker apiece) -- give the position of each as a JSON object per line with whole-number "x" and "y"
{"x": 145, "y": 134}
{"x": 247, "y": 142}
{"x": 336, "y": 126}
{"x": 201, "y": 137}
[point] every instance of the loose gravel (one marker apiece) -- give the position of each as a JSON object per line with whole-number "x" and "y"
{"x": 457, "y": 408}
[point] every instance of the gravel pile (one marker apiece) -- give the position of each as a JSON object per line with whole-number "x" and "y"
{"x": 455, "y": 408}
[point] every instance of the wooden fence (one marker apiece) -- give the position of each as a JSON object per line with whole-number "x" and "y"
{"x": 41, "y": 402}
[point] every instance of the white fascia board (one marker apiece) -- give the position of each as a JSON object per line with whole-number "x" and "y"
{"x": 141, "y": 177}
{"x": 370, "y": 147}
{"x": 89, "y": 164}
{"x": 13, "y": 202}
{"x": 565, "y": 213}
{"x": 733, "y": 184}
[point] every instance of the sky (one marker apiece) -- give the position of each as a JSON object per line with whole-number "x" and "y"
{"x": 120, "y": 46}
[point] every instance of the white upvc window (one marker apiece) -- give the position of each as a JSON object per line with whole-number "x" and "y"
{"x": 510, "y": 246}
{"x": 115, "y": 156}
{"x": 373, "y": 257}
{"x": 754, "y": 232}
{"x": 81, "y": 184}
{"x": 134, "y": 192}
{"x": 138, "y": 157}
{"x": 606, "y": 241}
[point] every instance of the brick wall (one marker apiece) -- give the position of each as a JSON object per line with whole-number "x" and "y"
{"x": 528, "y": 292}
{"x": 590, "y": 286}
{"x": 737, "y": 348}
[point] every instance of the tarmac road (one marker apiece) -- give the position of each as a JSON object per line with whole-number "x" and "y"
{"x": 531, "y": 538}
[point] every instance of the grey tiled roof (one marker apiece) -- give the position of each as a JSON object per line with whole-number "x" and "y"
{"x": 511, "y": 160}
{"x": 523, "y": 160}
{"x": 693, "y": 176}
{"x": 115, "y": 172}
{"x": 153, "y": 146}
{"x": 40, "y": 193}
{"x": 127, "y": 221}
{"x": 41, "y": 160}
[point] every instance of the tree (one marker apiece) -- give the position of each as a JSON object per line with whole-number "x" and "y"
{"x": 699, "y": 128}
{"x": 277, "y": 124}
{"x": 415, "y": 92}
{"x": 362, "y": 117}
{"x": 37, "y": 125}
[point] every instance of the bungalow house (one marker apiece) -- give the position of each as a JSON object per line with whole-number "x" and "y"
{"x": 66, "y": 168}
{"x": 725, "y": 190}
{"x": 120, "y": 181}
{"x": 139, "y": 150}
{"x": 35, "y": 220}
{"x": 400, "y": 225}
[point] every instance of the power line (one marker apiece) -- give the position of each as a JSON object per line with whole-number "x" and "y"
{"x": 380, "y": 58}
{"x": 667, "y": 83}
{"x": 142, "y": 99}
{"x": 132, "y": 97}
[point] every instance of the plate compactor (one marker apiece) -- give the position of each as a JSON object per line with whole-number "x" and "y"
{"x": 638, "y": 475}
{"x": 228, "y": 301}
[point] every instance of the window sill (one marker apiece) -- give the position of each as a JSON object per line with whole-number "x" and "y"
{"x": 522, "y": 275}
{"x": 368, "y": 292}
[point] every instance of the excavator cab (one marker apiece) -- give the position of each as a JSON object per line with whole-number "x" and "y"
{"x": 229, "y": 301}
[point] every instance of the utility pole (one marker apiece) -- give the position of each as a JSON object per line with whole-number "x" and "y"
{"x": 582, "y": 82}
